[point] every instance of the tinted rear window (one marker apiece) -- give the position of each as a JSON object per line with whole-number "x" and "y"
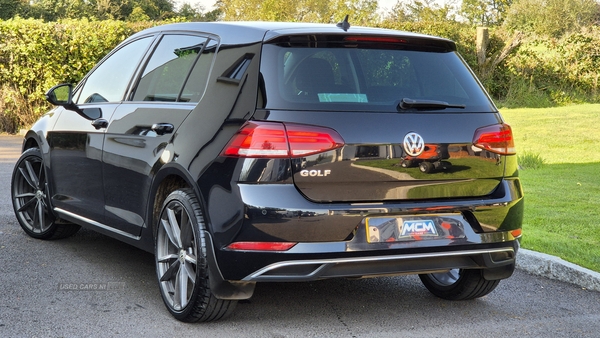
{"x": 366, "y": 77}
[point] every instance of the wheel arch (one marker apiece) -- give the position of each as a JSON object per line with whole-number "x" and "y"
{"x": 170, "y": 178}
{"x": 30, "y": 141}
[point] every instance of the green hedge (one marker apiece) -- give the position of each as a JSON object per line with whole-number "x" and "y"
{"x": 558, "y": 71}
{"x": 36, "y": 55}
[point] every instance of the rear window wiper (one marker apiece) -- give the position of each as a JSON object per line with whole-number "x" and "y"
{"x": 407, "y": 103}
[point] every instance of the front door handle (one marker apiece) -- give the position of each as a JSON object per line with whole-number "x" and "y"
{"x": 162, "y": 128}
{"x": 99, "y": 123}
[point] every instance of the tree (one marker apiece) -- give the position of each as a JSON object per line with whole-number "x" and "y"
{"x": 485, "y": 12}
{"x": 361, "y": 12}
{"x": 421, "y": 11}
{"x": 190, "y": 13}
{"x": 136, "y": 10}
{"x": 52, "y": 10}
{"x": 552, "y": 17}
{"x": 9, "y": 8}
{"x": 138, "y": 14}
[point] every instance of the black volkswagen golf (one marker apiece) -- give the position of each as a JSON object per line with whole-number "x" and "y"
{"x": 253, "y": 152}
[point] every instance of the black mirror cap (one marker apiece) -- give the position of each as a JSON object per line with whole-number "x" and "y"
{"x": 60, "y": 95}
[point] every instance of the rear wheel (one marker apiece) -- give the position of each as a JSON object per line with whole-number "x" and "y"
{"x": 426, "y": 167}
{"x": 458, "y": 284}
{"x": 181, "y": 263}
{"x": 30, "y": 198}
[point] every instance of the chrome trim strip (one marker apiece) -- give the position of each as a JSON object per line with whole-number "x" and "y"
{"x": 96, "y": 224}
{"x": 258, "y": 274}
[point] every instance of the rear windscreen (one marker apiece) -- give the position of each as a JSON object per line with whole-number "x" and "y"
{"x": 366, "y": 77}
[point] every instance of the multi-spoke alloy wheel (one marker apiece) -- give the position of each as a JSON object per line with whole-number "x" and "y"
{"x": 181, "y": 263}
{"x": 458, "y": 284}
{"x": 31, "y": 201}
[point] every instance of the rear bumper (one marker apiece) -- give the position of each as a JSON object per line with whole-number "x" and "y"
{"x": 332, "y": 237}
{"x": 500, "y": 261}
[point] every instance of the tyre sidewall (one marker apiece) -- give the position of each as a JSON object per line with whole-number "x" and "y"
{"x": 186, "y": 199}
{"x": 28, "y": 154}
{"x": 469, "y": 285}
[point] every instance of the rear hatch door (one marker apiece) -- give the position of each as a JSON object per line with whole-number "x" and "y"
{"x": 407, "y": 107}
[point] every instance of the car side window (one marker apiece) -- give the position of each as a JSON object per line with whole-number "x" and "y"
{"x": 109, "y": 81}
{"x": 196, "y": 83}
{"x": 168, "y": 68}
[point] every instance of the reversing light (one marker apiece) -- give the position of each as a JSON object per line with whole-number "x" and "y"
{"x": 497, "y": 139}
{"x": 277, "y": 140}
{"x": 261, "y": 246}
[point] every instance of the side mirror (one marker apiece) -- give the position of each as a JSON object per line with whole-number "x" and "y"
{"x": 62, "y": 95}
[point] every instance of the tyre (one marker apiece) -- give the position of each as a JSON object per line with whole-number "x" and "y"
{"x": 406, "y": 163}
{"x": 458, "y": 284}
{"x": 181, "y": 263}
{"x": 31, "y": 200}
{"x": 426, "y": 167}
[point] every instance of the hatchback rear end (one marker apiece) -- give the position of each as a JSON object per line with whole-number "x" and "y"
{"x": 269, "y": 152}
{"x": 371, "y": 153}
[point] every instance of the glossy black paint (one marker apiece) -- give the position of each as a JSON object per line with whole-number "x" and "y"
{"x": 114, "y": 178}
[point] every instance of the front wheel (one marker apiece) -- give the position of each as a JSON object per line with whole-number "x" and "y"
{"x": 31, "y": 200}
{"x": 458, "y": 284}
{"x": 181, "y": 261}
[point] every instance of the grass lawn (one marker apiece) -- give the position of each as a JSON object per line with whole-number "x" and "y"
{"x": 562, "y": 212}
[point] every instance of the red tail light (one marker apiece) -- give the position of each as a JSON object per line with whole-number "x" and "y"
{"x": 497, "y": 139}
{"x": 275, "y": 139}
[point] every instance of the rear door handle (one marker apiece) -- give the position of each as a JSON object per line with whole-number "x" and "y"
{"x": 162, "y": 128}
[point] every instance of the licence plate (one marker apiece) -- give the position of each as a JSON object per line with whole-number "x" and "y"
{"x": 398, "y": 229}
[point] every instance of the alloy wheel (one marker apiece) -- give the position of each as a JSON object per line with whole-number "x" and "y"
{"x": 446, "y": 278}
{"x": 177, "y": 254}
{"x": 30, "y": 195}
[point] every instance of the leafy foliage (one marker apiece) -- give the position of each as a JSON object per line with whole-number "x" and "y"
{"x": 485, "y": 12}
{"x": 563, "y": 71}
{"x": 34, "y": 56}
{"x": 552, "y": 17}
{"x": 130, "y": 10}
{"x": 362, "y": 12}
{"x": 421, "y": 11}
{"x": 9, "y": 8}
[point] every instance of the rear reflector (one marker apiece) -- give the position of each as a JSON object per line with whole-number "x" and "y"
{"x": 497, "y": 139}
{"x": 276, "y": 139}
{"x": 516, "y": 233}
{"x": 261, "y": 246}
